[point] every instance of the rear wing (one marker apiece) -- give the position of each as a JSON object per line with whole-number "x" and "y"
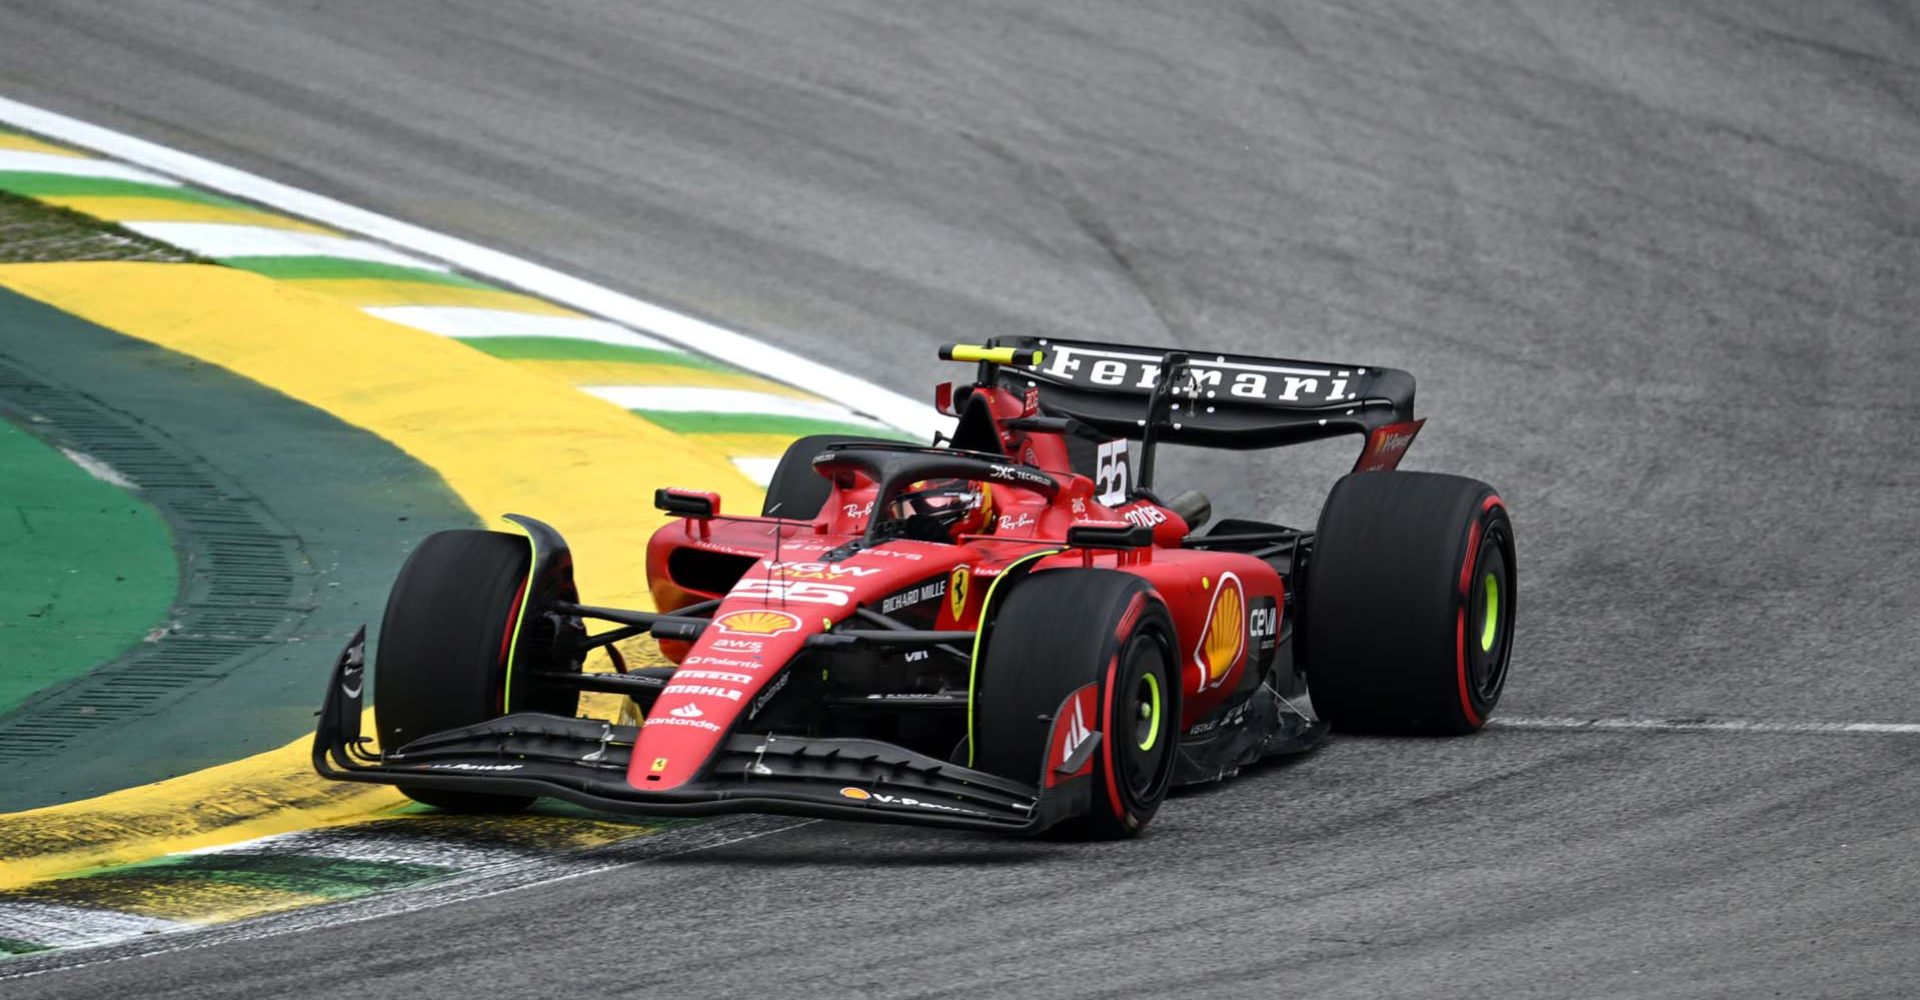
{"x": 1213, "y": 400}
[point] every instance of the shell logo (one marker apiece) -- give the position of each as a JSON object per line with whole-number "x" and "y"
{"x": 1223, "y": 639}
{"x": 860, "y": 794}
{"x": 758, "y": 622}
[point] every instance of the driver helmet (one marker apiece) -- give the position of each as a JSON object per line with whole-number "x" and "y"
{"x": 943, "y": 509}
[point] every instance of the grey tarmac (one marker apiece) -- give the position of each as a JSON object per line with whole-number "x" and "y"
{"x": 1656, "y": 266}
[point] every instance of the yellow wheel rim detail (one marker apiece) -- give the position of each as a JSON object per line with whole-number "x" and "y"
{"x": 1153, "y": 712}
{"x": 1490, "y": 625}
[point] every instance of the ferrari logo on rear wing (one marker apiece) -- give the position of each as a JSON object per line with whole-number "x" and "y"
{"x": 1240, "y": 379}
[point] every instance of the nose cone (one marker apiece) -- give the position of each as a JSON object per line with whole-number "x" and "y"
{"x": 761, "y": 626}
{"x": 737, "y": 658}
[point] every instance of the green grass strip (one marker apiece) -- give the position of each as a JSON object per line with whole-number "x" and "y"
{"x": 324, "y": 268}
{"x": 569, "y": 349}
{"x": 332, "y": 878}
{"x": 761, "y": 423}
{"x": 15, "y": 946}
{"x": 44, "y": 185}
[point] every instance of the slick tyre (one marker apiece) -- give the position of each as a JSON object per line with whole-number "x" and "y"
{"x": 795, "y": 489}
{"x": 1057, "y": 632}
{"x": 1408, "y": 604}
{"x": 453, "y": 621}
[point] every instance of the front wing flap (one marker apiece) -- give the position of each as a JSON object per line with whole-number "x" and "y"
{"x": 586, "y": 761}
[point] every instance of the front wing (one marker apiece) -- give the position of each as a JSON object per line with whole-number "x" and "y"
{"x": 585, "y": 761}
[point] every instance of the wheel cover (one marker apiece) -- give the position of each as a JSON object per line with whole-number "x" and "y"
{"x": 1491, "y": 605}
{"x": 1491, "y": 584}
{"x": 1145, "y": 763}
{"x": 1146, "y": 730}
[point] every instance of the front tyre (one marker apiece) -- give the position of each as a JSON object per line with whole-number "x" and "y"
{"x": 1408, "y": 601}
{"x": 1059, "y": 631}
{"x": 458, "y": 618}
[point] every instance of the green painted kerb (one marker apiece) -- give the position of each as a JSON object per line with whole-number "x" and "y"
{"x": 338, "y": 268}
{"x": 87, "y": 569}
{"x": 44, "y": 185}
{"x": 566, "y": 349}
{"x": 681, "y": 422}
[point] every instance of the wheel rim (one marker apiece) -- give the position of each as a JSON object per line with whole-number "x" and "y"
{"x": 1490, "y": 634}
{"x": 1489, "y": 583}
{"x": 1145, "y": 763}
{"x": 1146, "y": 727}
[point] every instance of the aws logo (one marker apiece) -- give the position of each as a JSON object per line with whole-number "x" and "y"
{"x": 1223, "y": 639}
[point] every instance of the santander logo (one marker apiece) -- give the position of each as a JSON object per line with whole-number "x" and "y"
{"x": 688, "y": 711}
{"x": 1393, "y": 442}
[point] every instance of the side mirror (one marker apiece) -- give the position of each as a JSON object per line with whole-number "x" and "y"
{"x": 687, "y": 503}
{"x": 1109, "y": 535}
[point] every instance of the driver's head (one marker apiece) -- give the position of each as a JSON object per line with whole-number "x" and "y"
{"x": 941, "y": 510}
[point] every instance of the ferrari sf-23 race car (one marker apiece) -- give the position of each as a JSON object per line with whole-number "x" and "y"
{"x": 1012, "y": 630}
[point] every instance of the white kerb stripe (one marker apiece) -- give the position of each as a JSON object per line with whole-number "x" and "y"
{"x": 59, "y": 926}
{"x": 222, "y": 240}
{"x": 12, "y": 160}
{"x": 377, "y": 845}
{"x": 466, "y": 322}
{"x": 760, "y": 470}
{"x": 903, "y": 412}
{"x": 675, "y": 399}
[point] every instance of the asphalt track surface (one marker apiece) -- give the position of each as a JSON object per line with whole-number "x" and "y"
{"x": 1657, "y": 268}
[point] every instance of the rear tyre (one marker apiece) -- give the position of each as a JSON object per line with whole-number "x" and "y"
{"x": 1407, "y": 624}
{"x": 796, "y": 490}
{"x": 453, "y": 619}
{"x": 1059, "y": 631}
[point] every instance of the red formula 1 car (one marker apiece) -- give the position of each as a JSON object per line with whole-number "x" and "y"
{"x": 1012, "y": 630}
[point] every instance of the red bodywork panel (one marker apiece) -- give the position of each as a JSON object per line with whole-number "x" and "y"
{"x": 1386, "y": 445}
{"x": 1216, "y": 599}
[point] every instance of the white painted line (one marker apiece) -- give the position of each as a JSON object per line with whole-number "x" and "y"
{"x": 98, "y": 469}
{"x": 760, "y": 470}
{"x": 464, "y": 322}
{"x": 1572, "y": 723}
{"x": 911, "y": 415}
{"x": 461, "y": 888}
{"x": 678, "y": 399}
{"x": 222, "y": 240}
{"x": 58, "y": 926}
{"x": 12, "y": 160}
{"x": 384, "y": 845}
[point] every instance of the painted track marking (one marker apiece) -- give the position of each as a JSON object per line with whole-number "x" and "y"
{"x": 1754, "y": 726}
{"x": 464, "y": 887}
{"x": 716, "y": 341}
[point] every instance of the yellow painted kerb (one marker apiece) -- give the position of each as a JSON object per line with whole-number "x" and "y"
{"x": 503, "y": 438}
{"x": 116, "y": 208}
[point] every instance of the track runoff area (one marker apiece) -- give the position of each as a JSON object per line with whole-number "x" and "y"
{"x": 721, "y": 388}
